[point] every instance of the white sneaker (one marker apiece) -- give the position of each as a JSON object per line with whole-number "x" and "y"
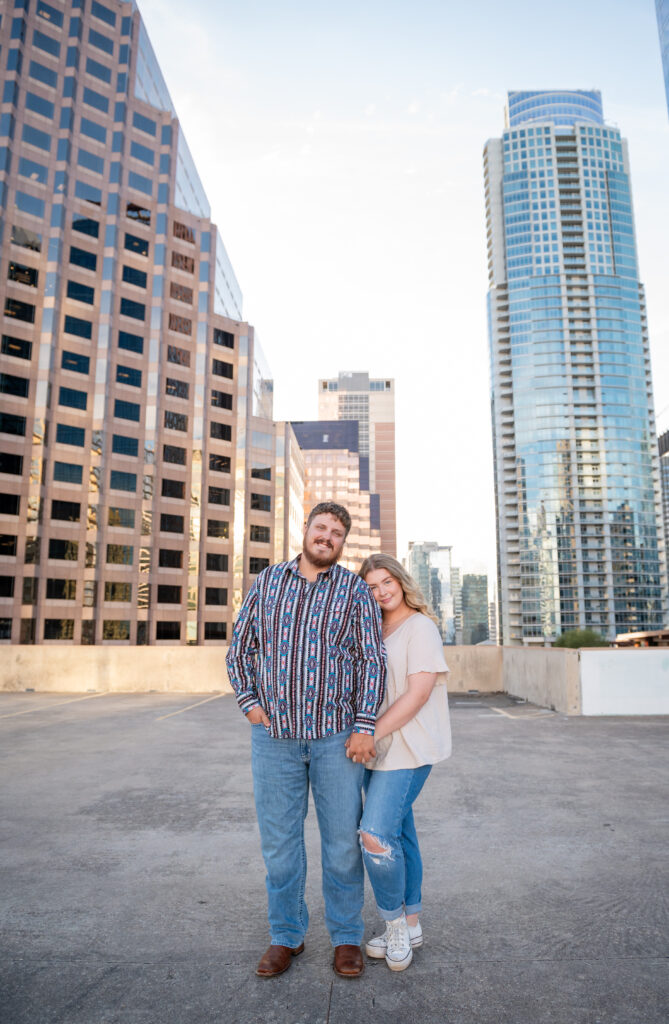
{"x": 376, "y": 947}
{"x": 398, "y": 952}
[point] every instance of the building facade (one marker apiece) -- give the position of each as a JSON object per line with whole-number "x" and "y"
{"x": 474, "y": 608}
{"x": 138, "y": 478}
{"x": 430, "y": 565}
{"x": 332, "y": 472}
{"x": 370, "y": 401}
{"x": 580, "y": 540}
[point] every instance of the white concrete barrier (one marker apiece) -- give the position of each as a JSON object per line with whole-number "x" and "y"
{"x": 625, "y": 681}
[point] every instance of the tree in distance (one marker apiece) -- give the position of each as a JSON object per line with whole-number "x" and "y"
{"x": 581, "y": 638}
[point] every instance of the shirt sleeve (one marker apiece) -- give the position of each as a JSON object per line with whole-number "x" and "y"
{"x": 371, "y": 677}
{"x": 425, "y": 650}
{"x": 242, "y": 656}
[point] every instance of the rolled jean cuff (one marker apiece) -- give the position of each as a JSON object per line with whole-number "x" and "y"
{"x": 413, "y": 908}
{"x": 390, "y": 915}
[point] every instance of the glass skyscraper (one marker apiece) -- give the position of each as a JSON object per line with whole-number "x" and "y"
{"x": 580, "y": 540}
{"x": 143, "y": 482}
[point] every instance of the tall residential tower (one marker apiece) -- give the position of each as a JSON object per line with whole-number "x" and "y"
{"x": 580, "y": 540}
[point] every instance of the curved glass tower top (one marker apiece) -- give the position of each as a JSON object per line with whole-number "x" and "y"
{"x": 562, "y": 107}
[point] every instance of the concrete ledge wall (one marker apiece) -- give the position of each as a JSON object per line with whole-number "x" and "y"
{"x": 474, "y": 668}
{"x": 625, "y": 682}
{"x": 545, "y": 676}
{"x": 51, "y": 669}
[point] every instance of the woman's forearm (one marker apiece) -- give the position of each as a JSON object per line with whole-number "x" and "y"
{"x": 407, "y": 706}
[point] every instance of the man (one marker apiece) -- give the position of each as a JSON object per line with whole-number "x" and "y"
{"x": 307, "y": 665}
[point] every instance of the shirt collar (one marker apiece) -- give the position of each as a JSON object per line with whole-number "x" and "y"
{"x": 294, "y": 567}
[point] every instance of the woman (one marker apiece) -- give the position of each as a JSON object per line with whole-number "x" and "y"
{"x": 412, "y": 733}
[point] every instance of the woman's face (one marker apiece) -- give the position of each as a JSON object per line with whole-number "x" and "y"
{"x": 386, "y": 589}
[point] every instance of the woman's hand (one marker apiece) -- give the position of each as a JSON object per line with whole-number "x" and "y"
{"x": 360, "y": 747}
{"x": 257, "y": 716}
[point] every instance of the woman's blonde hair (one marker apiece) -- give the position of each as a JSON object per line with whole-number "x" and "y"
{"x": 412, "y": 592}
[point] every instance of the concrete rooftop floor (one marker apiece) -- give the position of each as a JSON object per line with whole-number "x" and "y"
{"x": 133, "y": 887}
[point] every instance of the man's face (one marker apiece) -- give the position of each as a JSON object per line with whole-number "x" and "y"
{"x": 323, "y": 540}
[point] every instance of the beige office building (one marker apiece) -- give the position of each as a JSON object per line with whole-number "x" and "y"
{"x": 370, "y": 401}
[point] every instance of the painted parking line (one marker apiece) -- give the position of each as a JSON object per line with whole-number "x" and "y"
{"x": 189, "y": 708}
{"x": 540, "y": 713}
{"x": 47, "y": 707}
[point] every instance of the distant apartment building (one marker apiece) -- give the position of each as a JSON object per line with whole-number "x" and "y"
{"x": 332, "y": 472}
{"x": 492, "y": 621}
{"x": 430, "y": 565}
{"x": 662, "y": 8}
{"x": 579, "y": 530}
{"x": 143, "y": 483}
{"x": 474, "y": 608}
{"x": 370, "y": 401}
{"x": 456, "y": 591}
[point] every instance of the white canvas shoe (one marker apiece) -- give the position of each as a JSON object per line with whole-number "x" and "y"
{"x": 376, "y": 947}
{"x": 399, "y": 953}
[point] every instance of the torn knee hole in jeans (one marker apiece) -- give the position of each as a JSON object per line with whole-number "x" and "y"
{"x": 375, "y": 847}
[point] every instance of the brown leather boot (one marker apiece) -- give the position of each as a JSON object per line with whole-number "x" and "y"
{"x": 348, "y": 962}
{"x": 277, "y": 959}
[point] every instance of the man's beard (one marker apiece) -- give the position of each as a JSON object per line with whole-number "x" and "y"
{"x": 320, "y": 556}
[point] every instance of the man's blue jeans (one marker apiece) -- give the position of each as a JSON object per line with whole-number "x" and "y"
{"x": 397, "y": 873}
{"x": 283, "y": 770}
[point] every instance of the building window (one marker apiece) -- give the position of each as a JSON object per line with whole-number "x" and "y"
{"x": 173, "y": 488}
{"x": 219, "y": 463}
{"x": 119, "y": 481}
{"x": 220, "y": 431}
{"x": 181, "y": 293}
{"x": 67, "y": 511}
{"x": 224, "y": 338}
{"x": 257, "y": 565}
{"x": 175, "y": 455}
{"x": 72, "y": 398}
{"x": 216, "y": 563}
{"x": 58, "y": 629}
{"x": 216, "y": 595}
{"x": 61, "y": 590}
{"x": 180, "y": 324}
{"x": 116, "y": 629}
{"x": 171, "y": 523}
{"x": 128, "y": 375}
{"x": 6, "y": 586}
{"x": 222, "y": 369}
{"x": 68, "y": 472}
{"x": 135, "y": 310}
{"x": 65, "y": 550}
{"x": 183, "y": 262}
{"x": 16, "y": 347}
{"x": 170, "y": 558}
{"x": 261, "y": 472}
{"x": 86, "y": 226}
{"x": 12, "y": 385}
{"x": 20, "y": 310}
{"x": 183, "y": 232}
{"x": 168, "y": 630}
{"x": 138, "y": 213}
{"x": 8, "y": 544}
{"x": 219, "y": 496}
{"x": 131, "y": 342}
{"x": 24, "y": 275}
{"x": 135, "y": 244}
{"x": 10, "y": 504}
{"x": 133, "y": 276}
{"x": 79, "y": 328}
{"x": 83, "y": 258}
{"x": 176, "y": 420}
{"x": 168, "y": 594}
{"x": 218, "y": 528}
{"x": 80, "y": 292}
{"x": 10, "y": 463}
{"x": 176, "y": 388}
{"x": 127, "y": 410}
{"x": 120, "y": 554}
{"x": 122, "y": 445}
{"x": 180, "y": 356}
{"x": 5, "y": 629}
{"x": 215, "y": 630}
{"x": 221, "y": 400}
{"x": 261, "y": 502}
{"x": 11, "y": 424}
{"x": 123, "y": 517}
{"x": 75, "y": 362}
{"x": 260, "y": 534}
{"x": 70, "y": 435}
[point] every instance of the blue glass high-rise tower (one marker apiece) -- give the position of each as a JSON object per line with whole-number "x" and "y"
{"x": 580, "y": 540}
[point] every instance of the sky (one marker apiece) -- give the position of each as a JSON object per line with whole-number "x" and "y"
{"x": 340, "y": 146}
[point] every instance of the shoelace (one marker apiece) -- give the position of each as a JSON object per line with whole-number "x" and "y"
{"x": 397, "y": 937}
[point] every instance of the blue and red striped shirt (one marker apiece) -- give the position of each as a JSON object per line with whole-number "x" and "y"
{"x": 310, "y": 654}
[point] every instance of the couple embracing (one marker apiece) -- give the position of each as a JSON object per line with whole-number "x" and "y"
{"x": 342, "y": 679}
